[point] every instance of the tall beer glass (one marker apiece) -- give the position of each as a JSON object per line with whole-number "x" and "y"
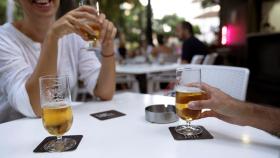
{"x": 55, "y": 98}
{"x": 186, "y": 94}
{"x": 93, "y": 43}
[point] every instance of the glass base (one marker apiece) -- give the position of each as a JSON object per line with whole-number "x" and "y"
{"x": 60, "y": 145}
{"x": 188, "y": 130}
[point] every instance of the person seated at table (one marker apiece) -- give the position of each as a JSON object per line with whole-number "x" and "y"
{"x": 191, "y": 45}
{"x": 233, "y": 111}
{"x": 162, "y": 52}
{"x": 39, "y": 45}
{"x": 122, "y": 50}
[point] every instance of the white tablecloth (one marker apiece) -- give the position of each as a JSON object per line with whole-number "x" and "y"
{"x": 132, "y": 137}
{"x": 135, "y": 69}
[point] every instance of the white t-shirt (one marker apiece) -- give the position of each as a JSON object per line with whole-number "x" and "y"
{"x": 18, "y": 58}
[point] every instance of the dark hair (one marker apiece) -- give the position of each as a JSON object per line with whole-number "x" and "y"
{"x": 160, "y": 39}
{"x": 65, "y": 6}
{"x": 187, "y": 26}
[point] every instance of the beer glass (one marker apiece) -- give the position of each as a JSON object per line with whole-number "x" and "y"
{"x": 186, "y": 94}
{"x": 93, "y": 43}
{"x": 57, "y": 117}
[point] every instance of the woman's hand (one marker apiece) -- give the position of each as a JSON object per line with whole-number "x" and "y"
{"x": 72, "y": 23}
{"x": 107, "y": 36}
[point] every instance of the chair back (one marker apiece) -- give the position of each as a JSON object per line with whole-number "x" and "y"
{"x": 210, "y": 59}
{"x": 231, "y": 80}
{"x": 197, "y": 59}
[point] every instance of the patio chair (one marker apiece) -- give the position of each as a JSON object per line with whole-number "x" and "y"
{"x": 210, "y": 59}
{"x": 197, "y": 59}
{"x": 231, "y": 80}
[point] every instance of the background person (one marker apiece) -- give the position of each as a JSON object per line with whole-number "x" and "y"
{"x": 191, "y": 45}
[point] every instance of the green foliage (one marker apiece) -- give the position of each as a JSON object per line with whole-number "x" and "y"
{"x": 208, "y": 3}
{"x": 3, "y": 11}
{"x": 196, "y": 29}
{"x": 131, "y": 22}
{"x": 18, "y": 14}
{"x": 3, "y": 6}
{"x": 170, "y": 20}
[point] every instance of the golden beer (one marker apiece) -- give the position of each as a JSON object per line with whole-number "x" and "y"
{"x": 182, "y": 100}
{"x": 57, "y": 120}
{"x": 91, "y": 37}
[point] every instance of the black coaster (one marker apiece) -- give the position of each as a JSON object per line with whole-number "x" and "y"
{"x": 106, "y": 115}
{"x": 40, "y": 147}
{"x": 205, "y": 135}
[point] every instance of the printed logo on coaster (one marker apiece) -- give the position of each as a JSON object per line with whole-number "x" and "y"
{"x": 204, "y": 135}
{"x": 40, "y": 148}
{"x": 106, "y": 115}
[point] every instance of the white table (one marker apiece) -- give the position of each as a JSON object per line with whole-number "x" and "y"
{"x": 135, "y": 69}
{"x": 146, "y": 69}
{"x": 132, "y": 137}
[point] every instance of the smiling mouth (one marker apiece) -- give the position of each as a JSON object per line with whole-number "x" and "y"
{"x": 41, "y": 2}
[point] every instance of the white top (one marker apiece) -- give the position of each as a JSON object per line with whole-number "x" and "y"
{"x": 18, "y": 58}
{"x": 131, "y": 136}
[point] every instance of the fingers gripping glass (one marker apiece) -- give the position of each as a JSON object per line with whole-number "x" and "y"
{"x": 93, "y": 42}
{"x": 55, "y": 98}
{"x": 186, "y": 94}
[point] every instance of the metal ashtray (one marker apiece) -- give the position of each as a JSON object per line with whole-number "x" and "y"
{"x": 161, "y": 114}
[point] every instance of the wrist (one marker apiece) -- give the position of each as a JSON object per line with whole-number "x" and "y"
{"x": 108, "y": 51}
{"x": 109, "y": 55}
{"x": 52, "y": 35}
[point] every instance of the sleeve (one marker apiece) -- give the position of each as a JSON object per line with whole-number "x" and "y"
{"x": 186, "y": 52}
{"x": 89, "y": 68}
{"x": 14, "y": 72}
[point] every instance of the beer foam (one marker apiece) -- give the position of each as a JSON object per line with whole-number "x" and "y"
{"x": 185, "y": 89}
{"x": 56, "y": 105}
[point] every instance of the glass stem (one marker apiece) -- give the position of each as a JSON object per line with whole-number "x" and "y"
{"x": 59, "y": 138}
{"x": 188, "y": 123}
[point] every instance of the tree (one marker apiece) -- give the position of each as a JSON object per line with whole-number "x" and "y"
{"x": 167, "y": 21}
{"x": 132, "y": 22}
{"x": 209, "y": 3}
{"x": 149, "y": 29}
{"x": 170, "y": 21}
{"x": 2, "y": 11}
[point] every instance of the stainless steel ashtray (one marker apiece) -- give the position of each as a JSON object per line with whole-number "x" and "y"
{"x": 161, "y": 114}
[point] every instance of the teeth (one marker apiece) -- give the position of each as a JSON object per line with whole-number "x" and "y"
{"x": 41, "y": 1}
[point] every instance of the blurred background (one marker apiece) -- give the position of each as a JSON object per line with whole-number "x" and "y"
{"x": 242, "y": 32}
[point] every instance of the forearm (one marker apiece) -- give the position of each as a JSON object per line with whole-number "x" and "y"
{"x": 266, "y": 118}
{"x": 105, "y": 87}
{"x": 258, "y": 116}
{"x": 261, "y": 117}
{"x": 47, "y": 65}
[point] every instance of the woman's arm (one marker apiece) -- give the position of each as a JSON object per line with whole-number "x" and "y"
{"x": 47, "y": 64}
{"x": 105, "y": 87}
